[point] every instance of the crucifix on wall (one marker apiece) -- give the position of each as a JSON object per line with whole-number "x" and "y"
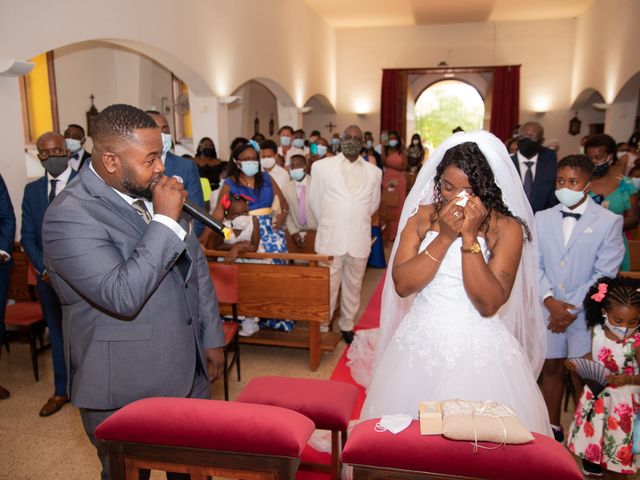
{"x": 330, "y": 126}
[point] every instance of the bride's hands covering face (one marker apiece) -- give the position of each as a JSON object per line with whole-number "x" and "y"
{"x": 450, "y": 221}
{"x": 474, "y": 215}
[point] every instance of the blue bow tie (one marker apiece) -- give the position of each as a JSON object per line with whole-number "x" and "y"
{"x": 569, "y": 214}
{"x": 75, "y": 156}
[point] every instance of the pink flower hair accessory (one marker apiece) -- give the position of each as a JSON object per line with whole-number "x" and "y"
{"x": 601, "y": 293}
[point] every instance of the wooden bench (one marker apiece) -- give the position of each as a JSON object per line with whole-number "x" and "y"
{"x": 634, "y": 253}
{"x": 292, "y": 292}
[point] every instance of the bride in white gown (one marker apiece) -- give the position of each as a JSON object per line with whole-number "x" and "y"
{"x": 461, "y": 314}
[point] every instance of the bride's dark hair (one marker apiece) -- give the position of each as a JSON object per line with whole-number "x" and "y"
{"x": 470, "y": 159}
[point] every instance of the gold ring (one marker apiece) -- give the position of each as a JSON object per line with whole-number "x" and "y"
{"x": 456, "y": 214}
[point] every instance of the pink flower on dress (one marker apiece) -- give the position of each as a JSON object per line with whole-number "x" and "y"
{"x": 636, "y": 341}
{"x": 588, "y": 429}
{"x": 604, "y": 353}
{"x": 623, "y": 409}
{"x": 592, "y": 453}
{"x": 598, "y": 406}
{"x": 628, "y": 370}
{"x": 625, "y": 455}
{"x": 588, "y": 395}
{"x": 625, "y": 424}
{"x": 612, "y": 423}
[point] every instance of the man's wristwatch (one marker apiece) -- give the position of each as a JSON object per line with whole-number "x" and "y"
{"x": 474, "y": 248}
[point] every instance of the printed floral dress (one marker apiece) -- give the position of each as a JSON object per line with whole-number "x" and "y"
{"x": 602, "y": 429}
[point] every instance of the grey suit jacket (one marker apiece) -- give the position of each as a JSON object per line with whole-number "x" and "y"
{"x": 138, "y": 303}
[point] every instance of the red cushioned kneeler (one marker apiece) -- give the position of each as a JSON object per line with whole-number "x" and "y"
{"x": 329, "y": 404}
{"x": 411, "y": 455}
{"x": 204, "y": 437}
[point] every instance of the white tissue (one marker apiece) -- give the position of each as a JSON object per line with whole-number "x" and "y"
{"x": 464, "y": 198}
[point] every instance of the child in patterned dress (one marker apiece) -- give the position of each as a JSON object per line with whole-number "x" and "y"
{"x": 602, "y": 429}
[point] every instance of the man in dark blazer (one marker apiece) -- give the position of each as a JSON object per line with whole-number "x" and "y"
{"x": 183, "y": 169}
{"x": 139, "y": 310}
{"x": 75, "y": 139}
{"x": 537, "y": 167}
{"x": 54, "y": 156}
{"x": 7, "y": 237}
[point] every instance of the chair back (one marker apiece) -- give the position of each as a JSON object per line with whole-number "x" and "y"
{"x": 225, "y": 281}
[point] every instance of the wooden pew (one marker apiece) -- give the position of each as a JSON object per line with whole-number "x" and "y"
{"x": 634, "y": 253}
{"x": 293, "y": 292}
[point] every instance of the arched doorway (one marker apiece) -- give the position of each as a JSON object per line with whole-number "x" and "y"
{"x": 444, "y": 106}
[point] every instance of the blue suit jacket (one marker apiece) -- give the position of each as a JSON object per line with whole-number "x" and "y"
{"x": 544, "y": 183}
{"x": 34, "y": 204}
{"x": 594, "y": 249}
{"x": 187, "y": 170}
{"x": 7, "y": 219}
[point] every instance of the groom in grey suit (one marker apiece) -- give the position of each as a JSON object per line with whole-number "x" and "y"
{"x": 140, "y": 316}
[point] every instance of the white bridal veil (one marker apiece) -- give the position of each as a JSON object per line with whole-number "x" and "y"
{"x": 522, "y": 313}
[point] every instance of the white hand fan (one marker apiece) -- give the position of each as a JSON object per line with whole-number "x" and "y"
{"x": 593, "y": 373}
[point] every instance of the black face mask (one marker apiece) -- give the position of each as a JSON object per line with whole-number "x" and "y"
{"x": 209, "y": 152}
{"x": 601, "y": 170}
{"x": 55, "y": 165}
{"x": 528, "y": 147}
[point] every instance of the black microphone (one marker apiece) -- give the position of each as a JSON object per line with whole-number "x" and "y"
{"x": 198, "y": 213}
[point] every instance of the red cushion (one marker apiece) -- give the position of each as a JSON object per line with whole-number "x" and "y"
{"x": 328, "y": 403}
{"x": 23, "y": 314}
{"x": 225, "y": 281}
{"x": 230, "y": 330}
{"x": 544, "y": 458}
{"x": 209, "y": 424}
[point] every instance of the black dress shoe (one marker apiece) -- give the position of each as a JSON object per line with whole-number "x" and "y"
{"x": 4, "y": 393}
{"x": 347, "y": 335}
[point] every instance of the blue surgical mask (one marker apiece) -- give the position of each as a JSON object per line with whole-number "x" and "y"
{"x": 285, "y": 141}
{"x": 166, "y": 143}
{"x": 568, "y": 197}
{"x": 369, "y": 144}
{"x": 298, "y": 142}
{"x": 393, "y": 143}
{"x": 249, "y": 167}
{"x": 335, "y": 141}
{"x": 297, "y": 174}
{"x": 619, "y": 332}
{"x": 73, "y": 145}
{"x": 322, "y": 151}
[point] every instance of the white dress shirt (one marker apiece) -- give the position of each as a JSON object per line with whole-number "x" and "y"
{"x": 75, "y": 162}
{"x": 280, "y": 175}
{"x": 523, "y": 167}
{"x": 569, "y": 223}
{"x": 62, "y": 180}
{"x": 352, "y": 173}
{"x": 156, "y": 217}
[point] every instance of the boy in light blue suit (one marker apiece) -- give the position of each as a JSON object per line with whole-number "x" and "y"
{"x": 578, "y": 242}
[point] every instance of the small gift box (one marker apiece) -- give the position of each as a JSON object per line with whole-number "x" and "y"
{"x": 430, "y": 414}
{"x": 482, "y": 421}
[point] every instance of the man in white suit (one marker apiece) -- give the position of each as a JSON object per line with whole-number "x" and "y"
{"x": 344, "y": 195}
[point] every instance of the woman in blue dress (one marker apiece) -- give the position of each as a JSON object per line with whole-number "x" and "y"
{"x": 244, "y": 177}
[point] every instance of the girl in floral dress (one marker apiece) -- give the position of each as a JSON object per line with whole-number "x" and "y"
{"x": 602, "y": 430}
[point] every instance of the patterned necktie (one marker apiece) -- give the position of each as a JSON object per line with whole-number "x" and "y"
{"x": 52, "y": 192}
{"x": 141, "y": 208}
{"x": 302, "y": 211}
{"x": 570, "y": 214}
{"x": 528, "y": 180}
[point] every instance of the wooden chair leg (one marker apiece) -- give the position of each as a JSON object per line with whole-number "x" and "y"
{"x": 226, "y": 375}
{"x": 335, "y": 455}
{"x": 237, "y": 347}
{"x": 34, "y": 353}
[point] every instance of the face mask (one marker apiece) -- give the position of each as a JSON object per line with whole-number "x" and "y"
{"x": 528, "y": 147}
{"x": 602, "y": 169}
{"x": 297, "y": 174}
{"x": 620, "y": 154}
{"x": 351, "y": 147}
{"x": 73, "y": 145}
{"x": 393, "y": 143}
{"x": 166, "y": 143}
{"x": 378, "y": 149}
{"x": 285, "y": 141}
{"x": 55, "y": 165}
{"x": 298, "y": 142}
{"x": 249, "y": 167}
{"x": 322, "y": 151}
{"x": 568, "y": 197}
{"x": 415, "y": 142}
{"x": 268, "y": 162}
{"x": 393, "y": 423}
{"x": 208, "y": 152}
{"x": 581, "y": 150}
{"x": 619, "y": 332}
{"x": 335, "y": 141}
{"x": 369, "y": 144}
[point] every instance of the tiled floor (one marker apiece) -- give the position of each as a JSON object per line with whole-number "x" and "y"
{"x": 56, "y": 447}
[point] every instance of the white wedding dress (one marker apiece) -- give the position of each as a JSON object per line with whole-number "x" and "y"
{"x": 444, "y": 349}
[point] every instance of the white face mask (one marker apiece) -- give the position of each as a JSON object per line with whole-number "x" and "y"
{"x": 73, "y": 145}
{"x": 620, "y": 332}
{"x": 166, "y": 143}
{"x": 268, "y": 162}
{"x": 568, "y": 197}
{"x": 393, "y": 423}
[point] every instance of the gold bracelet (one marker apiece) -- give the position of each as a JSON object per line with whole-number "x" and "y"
{"x": 426, "y": 252}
